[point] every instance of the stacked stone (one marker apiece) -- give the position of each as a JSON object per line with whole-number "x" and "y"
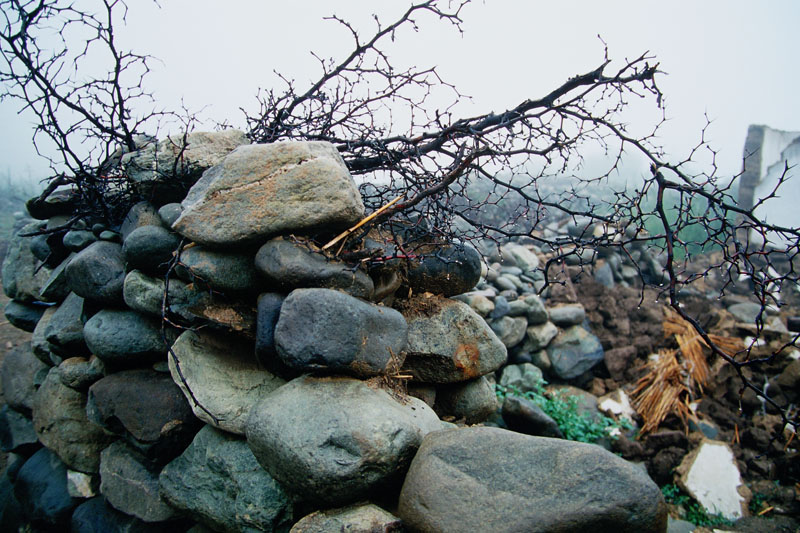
{"x": 277, "y": 396}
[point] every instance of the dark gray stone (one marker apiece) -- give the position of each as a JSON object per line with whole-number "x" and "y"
{"x": 574, "y": 351}
{"x": 747, "y": 312}
{"x": 141, "y": 214}
{"x": 448, "y": 270}
{"x": 224, "y": 376}
{"x": 64, "y": 331}
{"x": 323, "y": 329}
{"x": 336, "y": 441}
{"x": 524, "y": 416}
{"x": 535, "y": 484}
{"x": 565, "y": 316}
{"x": 79, "y": 373}
{"x": 288, "y": 265}
{"x": 41, "y": 488}
{"x": 537, "y": 312}
{"x": 97, "y": 272}
{"x": 22, "y": 315}
{"x": 58, "y": 202}
{"x": 125, "y": 338}
{"x": 19, "y": 376}
{"x": 146, "y": 408}
{"x": 42, "y": 349}
{"x": 263, "y": 190}
{"x": 23, "y": 274}
{"x": 218, "y": 482}
{"x": 473, "y": 401}
{"x": 448, "y": 342}
{"x": 16, "y": 433}
{"x": 169, "y": 213}
{"x": 510, "y": 330}
{"x": 269, "y": 308}
{"x": 59, "y": 418}
{"x": 501, "y": 308}
{"x": 96, "y": 516}
{"x": 56, "y": 288}
{"x": 150, "y": 248}
{"x": 223, "y": 271}
{"x": 77, "y": 240}
{"x": 604, "y": 276}
{"x": 522, "y": 378}
{"x": 130, "y": 484}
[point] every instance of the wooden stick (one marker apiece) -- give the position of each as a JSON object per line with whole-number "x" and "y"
{"x": 347, "y": 232}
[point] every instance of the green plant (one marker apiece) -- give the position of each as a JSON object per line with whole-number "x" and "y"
{"x": 693, "y": 511}
{"x": 564, "y": 409}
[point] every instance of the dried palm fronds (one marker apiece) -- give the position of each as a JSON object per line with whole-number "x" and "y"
{"x": 661, "y": 391}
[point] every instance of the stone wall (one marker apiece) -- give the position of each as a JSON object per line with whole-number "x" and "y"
{"x": 207, "y": 366}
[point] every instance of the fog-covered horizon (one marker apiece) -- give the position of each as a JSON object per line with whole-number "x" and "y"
{"x": 730, "y": 60}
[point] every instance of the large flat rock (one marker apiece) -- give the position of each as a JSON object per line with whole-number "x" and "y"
{"x": 265, "y": 189}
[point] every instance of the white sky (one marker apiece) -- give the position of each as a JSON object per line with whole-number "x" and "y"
{"x": 734, "y": 60}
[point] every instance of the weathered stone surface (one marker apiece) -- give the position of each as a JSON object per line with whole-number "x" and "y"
{"x": 710, "y": 475}
{"x": 56, "y": 287}
{"x": 16, "y": 432}
{"x": 449, "y": 270}
{"x": 537, "y": 312}
{"x": 82, "y": 485}
{"x": 520, "y": 256}
{"x": 64, "y": 331}
{"x": 19, "y": 371}
{"x": 535, "y": 485}
{"x": 449, "y": 342}
{"x": 266, "y": 189}
{"x": 568, "y": 315}
{"x": 124, "y": 338}
{"x": 478, "y": 302}
{"x": 363, "y": 518}
{"x": 77, "y": 240}
{"x": 288, "y": 265}
{"x": 474, "y": 400}
{"x": 59, "y": 202}
{"x": 224, "y": 376}
{"x": 59, "y": 418}
{"x": 539, "y": 336}
{"x": 79, "y": 373}
{"x": 269, "y": 308}
{"x": 336, "y": 440}
{"x": 323, "y": 329}
{"x": 130, "y": 484}
{"x": 524, "y": 416}
{"x": 41, "y": 488}
{"x": 169, "y": 213}
{"x": 165, "y": 169}
{"x": 147, "y": 408}
{"x": 574, "y": 351}
{"x": 510, "y": 330}
{"x": 223, "y": 271}
{"x": 23, "y": 274}
{"x": 97, "y": 272}
{"x": 22, "y": 315}
{"x": 522, "y": 378}
{"x": 218, "y": 481}
{"x": 150, "y": 248}
{"x": 96, "y": 516}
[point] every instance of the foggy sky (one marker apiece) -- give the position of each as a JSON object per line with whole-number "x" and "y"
{"x": 732, "y": 60}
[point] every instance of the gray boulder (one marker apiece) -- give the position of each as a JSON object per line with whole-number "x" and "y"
{"x": 64, "y": 331}
{"x": 539, "y": 336}
{"x": 288, "y": 265}
{"x": 22, "y": 315}
{"x": 150, "y": 248}
{"x": 535, "y": 484}
{"x": 567, "y": 315}
{"x": 169, "y": 213}
{"x": 523, "y": 378}
{"x": 336, "y": 440}
{"x": 42, "y": 349}
{"x": 59, "y": 418}
{"x": 747, "y": 312}
{"x": 20, "y": 376}
{"x": 574, "y": 351}
{"x": 79, "y": 373}
{"x": 16, "y": 433}
{"x": 41, "y": 488}
{"x": 323, "y": 329}
{"x": 360, "y": 518}
{"x": 56, "y": 287}
{"x": 96, "y": 516}
{"x": 473, "y": 401}
{"x": 223, "y": 375}
{"x": 78, "y": 239}
{"x": 448, "y": 342}
{"x": 218, "y": 481}
{"x": 165, "y": 169}
{"x": 146, "y": 408}
{"x": 262, "y": 190}
{"x": 140, "y": 215}
{"x": 61, "y": 201}
{"x": 130, "y": 484}
{"x": 223, "y": 271}
{"x": 269, "y": 308}
{"x": 510, "y": 330}
{"x": 448, "y": 270}
{"x": 125, "y": 338}
{"x": 97, "y": 272}
{"x": 23, "y": 274}
{"x": 519, "y": 256}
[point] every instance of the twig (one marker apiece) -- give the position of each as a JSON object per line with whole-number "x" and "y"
{"x": 366, "y": 219}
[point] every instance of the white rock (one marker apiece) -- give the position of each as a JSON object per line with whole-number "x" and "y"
{"x": 80, "y": 485}
{"x": 616, "y": 403}
{"x": 710, "y": 475}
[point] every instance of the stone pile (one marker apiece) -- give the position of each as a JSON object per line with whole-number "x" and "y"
{"x": 205, "y": 365}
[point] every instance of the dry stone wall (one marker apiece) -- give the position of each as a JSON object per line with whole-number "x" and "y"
{"x": 206, "y": 366}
